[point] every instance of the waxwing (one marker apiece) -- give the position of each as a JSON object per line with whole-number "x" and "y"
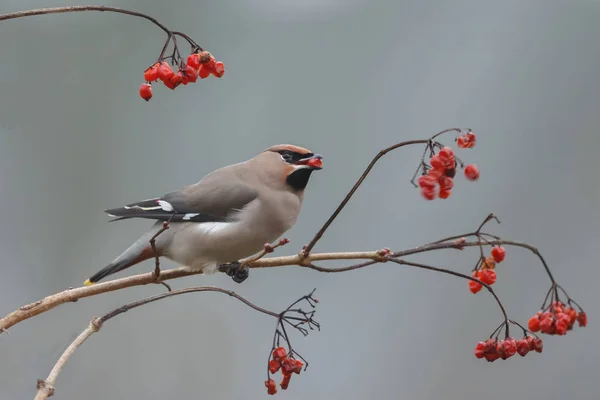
{"x": 229, "y": 215}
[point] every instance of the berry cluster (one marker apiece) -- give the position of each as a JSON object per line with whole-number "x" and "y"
{"x": 437, "y": 179}
{"x": 282, "y": 360}
{"x": 493, "y": 349}
{"x": 466, "y": 141}
{"x": 557, "y": 319}
{"x": 484, "y": 271}
{"x": 199, "y": 64}
{"x": 288, "y": 361}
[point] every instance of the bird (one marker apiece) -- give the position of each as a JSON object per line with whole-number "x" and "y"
{"x": 228, "y": 215}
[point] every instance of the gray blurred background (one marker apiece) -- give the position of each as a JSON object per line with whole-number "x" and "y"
{"x": 345, "y": 79}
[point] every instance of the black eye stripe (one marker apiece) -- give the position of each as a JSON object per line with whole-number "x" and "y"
{"x": 292, "y": 156}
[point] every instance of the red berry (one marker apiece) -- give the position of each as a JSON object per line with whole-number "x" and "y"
{"x": 444, "y": 194}
{"x": 545, "y": 315}
{"x": 561, "y": 326}
{"x": 426, "y": 181}
{"x": 491, "y": 353}
{"x": 285, "y": 382}
{"x": 289, "y": 365}
{"x": 522, "y": 347}
{"x": 557, "y": 306}
{"x": 436, "y": 162}
{"x": 274, "y": 366}
{"x": 165, "y": 73}
{"x": 534, "y": 324}
{"x": 435, "y": 173}
{"x": 193, "y": 61}
{"x": 205, "y": 57}
{"x": 271, "y": 386}
{"x": 428, "y": 194}
{"x": 480, "y": 350}
{"x": 509, "y": 347}
{"x": 190, "y": 74}
{"x": 146, "y": 91}
{"x": 447, "y": 156}
{"x": 219, "y": 69}
{"x": 538, "y": 345}
{"x": 500, "y": 349}
{"x": 175, "y": 80}
{"x": 572, "y": 315}
{"x": 547, "y": 326}
{"x": 498, "y": 253}
{"x": 582, "y": 319}
{"x": 474, "y": 287}
{"x": 488, "y": 276}
{"x": 466, "y": 141}
{"x": 463, "y": 142}
{"x": 210, "y": 64}
{"x": 488, "y": 263}
{"x": 446, "y": 183}
{"x": 298, "y": 366}
{"x": 279, "y": 354}
{"x": 204, "y": 72}
{"x": 472, "y": 172}
{"x": 151, "y": 74}
{"x": 530, "y": 340}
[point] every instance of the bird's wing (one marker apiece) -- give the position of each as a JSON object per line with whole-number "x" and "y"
{"x": 216, "y": 198}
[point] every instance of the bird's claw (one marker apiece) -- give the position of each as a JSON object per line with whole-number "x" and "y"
{"x": 236, "y": 271}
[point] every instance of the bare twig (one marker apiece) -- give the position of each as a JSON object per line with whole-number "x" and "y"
{"x": 370, "y": 257}
{"x": 46, "y": 387}
{"x": 308, "y": 248}
{"x": 69, "y": 9}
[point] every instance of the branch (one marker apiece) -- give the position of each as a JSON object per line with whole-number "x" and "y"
{"x": 308, "y": 248}
{"x": 46, "y": 387}
{"x": 69, "y": 9}
{"x": 198, "y": 64}
{"x": 373, "y": 257}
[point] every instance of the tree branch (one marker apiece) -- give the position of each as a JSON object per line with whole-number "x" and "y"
{"x": 308, "y": 248}
{"x": 373, "y": 257}
{"x": 69, "y": 9}
{"x": 46, "y": 387}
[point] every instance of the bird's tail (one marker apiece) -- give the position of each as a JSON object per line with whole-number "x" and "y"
{"x": 138, "y": 252}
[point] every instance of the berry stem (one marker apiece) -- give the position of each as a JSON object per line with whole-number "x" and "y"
{"x": 308, "y": 248}
{"x": 497, "y": 241}
{"x": 460, "y": 275}
{"x": 68, "y": 9}
{"x": 195, "y": 46}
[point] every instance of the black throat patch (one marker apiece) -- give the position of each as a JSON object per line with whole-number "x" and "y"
{"x": 299, "y": 178}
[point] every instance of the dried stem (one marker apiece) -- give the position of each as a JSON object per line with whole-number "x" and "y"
{"x": 308, "y": 248}
{"x": 46, "y": 387}
{"x": 69, "y": 9}
{"x": 370, "y": 258}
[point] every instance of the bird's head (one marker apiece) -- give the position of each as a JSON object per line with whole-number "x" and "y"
{"x": 296, "y": 162}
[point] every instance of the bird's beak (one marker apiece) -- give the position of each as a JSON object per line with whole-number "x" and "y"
{"x": 314, "y": 162}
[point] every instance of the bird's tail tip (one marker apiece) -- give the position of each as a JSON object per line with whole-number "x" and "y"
{"x": 88, "y": 283}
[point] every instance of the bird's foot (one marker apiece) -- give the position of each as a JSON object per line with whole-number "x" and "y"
{"x": 236, "y": 271}
{"x": 156, "y": 273}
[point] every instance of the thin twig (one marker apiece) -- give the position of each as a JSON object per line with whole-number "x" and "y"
{"x": 308, "y": 248}
{"x": 370, "y": 257}
{"x": 68, "y": 9}
{"x": 46, "y": 387}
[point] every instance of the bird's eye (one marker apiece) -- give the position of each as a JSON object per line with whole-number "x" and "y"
{"x": 287, "y": 157}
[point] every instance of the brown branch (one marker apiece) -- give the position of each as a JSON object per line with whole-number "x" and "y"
{"x": 46, "y": 387}
{"x": 308, "y": 248}
{"x": 69, "y": 9}
{"x": 370, "y": 257}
